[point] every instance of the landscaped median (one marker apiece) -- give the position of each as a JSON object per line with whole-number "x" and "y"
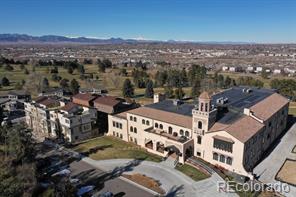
{"x": 108, "y": 147}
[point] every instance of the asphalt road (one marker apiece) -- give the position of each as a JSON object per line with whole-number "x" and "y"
{"x": 106, "y": 183}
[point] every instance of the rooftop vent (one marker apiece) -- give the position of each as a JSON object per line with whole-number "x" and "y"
{"x": 222, "y": 100}
{"x": 177, "y": 102}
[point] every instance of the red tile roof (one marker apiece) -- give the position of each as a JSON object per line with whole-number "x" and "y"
{"x": 69, "y": 106}
{"x": 269, "y": 106}
{"x": 49, "y": 102}
{"x": 164, "y": 116}
{"x": 242, "y": 129}
{"x": 107, "y": 100}
{"x": 85, "y": 97}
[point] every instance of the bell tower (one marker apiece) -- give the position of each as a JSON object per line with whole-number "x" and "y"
{"x": 204, "y": 114}
{"x": 203, "y": 117}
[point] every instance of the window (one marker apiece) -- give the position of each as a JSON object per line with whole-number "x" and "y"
{"x": 131, "y": 129}
{"x": 135, "y": 119}
{"x": 131, "y": 139}
{"x": 223, "y": 145}
{"x": 113, "y": 124}
{"x": 175, "y": 134}
{"x": 131, "y": 118}
{"x": 206, "y": 107}
{"x": 117, "y": 125}
{"x": 120, "y": 125}
{"x": 135, "y": 140}
{"x": 135, "y": 130}
{"x": 143, "y": 121}
{"x": 121, "y": 136}
{"x": 170, "y": 130}
{"x": 199, "y": 124}
{"x": 198, "y": 154}
{"x": 199, "y": 139}
{"x": 156, "y": 125}
{"x": 187, "y": 133}
{"x": 147, "y": 122}
{"x": 201, "y": 107}
{"x": 76, "y": 137}
{"x": 222, "y": 158}
{"x": 215, "y": 156}
{"x": 181, "y": 132}
{"x": 160, "y": 126}
{"x": 229, "y": 160}
{"x": 117, "y": 134}
{"x": 113, "y": 133}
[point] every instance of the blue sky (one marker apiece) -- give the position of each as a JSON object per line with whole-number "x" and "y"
{"x": 200, "y": 20}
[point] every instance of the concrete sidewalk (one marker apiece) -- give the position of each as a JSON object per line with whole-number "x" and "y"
{"x": 268, "y": 168}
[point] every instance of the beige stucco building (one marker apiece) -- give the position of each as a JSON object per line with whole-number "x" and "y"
{"x": 231, "y": 129}
{"x": 37, "y": 115}
{"x": 74, "y": 122}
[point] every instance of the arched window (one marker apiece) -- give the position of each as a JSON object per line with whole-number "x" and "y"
{"x": 181, "y": 132}
{"x": 135, "y": 119}
{"x": 175, "y": 134}
{"x": 215, "y": 156}
{"x": 147, "y": 122}
{"x": 131, "y": 118}
{"x": 187, "y": 133}
{"x": 199, "y": 139}
{"x": 229, "y": 160}
{"x": 199, "y": 124}
{"x": 160, "y": 126}
{"x": 131, "y": 129}
{"x": 143, "y": 121}
{"x": 135, "y": 130}
{"x": 170, "y": 130}
{"x": 222, "y": 158}
{"x": 156, "y": 125}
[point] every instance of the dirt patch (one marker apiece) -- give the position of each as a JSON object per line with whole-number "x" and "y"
{"x": 145, "y": 181}
{"x": 286, "y": 173}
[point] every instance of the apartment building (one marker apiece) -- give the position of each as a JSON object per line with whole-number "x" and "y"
{"x": 74, "y": 122}
{"x": 37, "y": 115}
{"x": 231, "y": 129}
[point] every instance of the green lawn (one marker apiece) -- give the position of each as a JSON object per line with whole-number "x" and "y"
{"x": 192, "y": 172}
{"x": 112, "y": 148}
{"x": 292, "y": 111}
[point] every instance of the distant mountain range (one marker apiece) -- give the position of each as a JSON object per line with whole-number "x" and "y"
{"x": 24, "y": 38}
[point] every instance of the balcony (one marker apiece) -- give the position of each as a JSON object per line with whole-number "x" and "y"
{"x": 162, "y": 133}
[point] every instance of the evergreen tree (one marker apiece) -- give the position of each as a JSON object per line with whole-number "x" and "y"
{"x": 74, "y": 86}
{"x": 179, "y": 93}
{"x": 5, "y": 82}
{"x": 183, "y": 78}
{"x": 45, "y": 84}
{"x": 64, "y": 83}
{"x": 128, "y": 88}
{"x": 70, "y": 70}
{"x": 227, "y": 82}
{"x": 149, "y": 92}
{"x": 81, "y": 69}
{"x": 169, "y": 92}
{"x": 196, "y": 89}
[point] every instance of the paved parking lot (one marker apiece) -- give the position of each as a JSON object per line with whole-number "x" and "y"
{"x": 268, "y": 168}
{"x": 115, "y": 185}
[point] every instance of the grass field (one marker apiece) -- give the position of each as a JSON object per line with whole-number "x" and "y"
{"x": 108, "y": 147}
{"x": 109, "y": 80}
{"x": 292, "y": 109}
{"x": 192, "y": 172}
